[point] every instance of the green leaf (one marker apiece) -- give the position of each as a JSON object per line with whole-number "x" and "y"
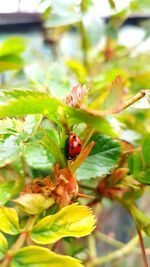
{"x": 12, "y": 46}
{"x": 9, "y": 221}
{"x": 6, "y": 191}
{"x": 26, "y": 102}
{"x": 31, "y": 123}
{"x": 115, "y": 98}
{"x": 78, "y": 69}
{"x": 100, "y": 123}
{"x": 146, "y": 150}
{"x": 102, "y": 159}
{"x": 72, "y": 220}
{"x": 104, "y": 79}
{"x": 112, "y": 4}
{"x": 9, "y": 149}
{"x": 10, "y": 126}
{"x": 50, "y": 144}
{"x": 144, "y": 176}
{"x": 11, "y": 62}
{"x": 135, "y": 164}
{"x": 140, "y": 171}
{"x": 37, "y": 157}
{"x": 137, "y": 5}
{"x": 33, "y": 203}
{"x": 34, "y": 256}
{"x": 51, "y": 132}
{"x": 3, "y": 246}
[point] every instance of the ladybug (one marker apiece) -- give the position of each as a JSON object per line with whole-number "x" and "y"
{"x": 74, "y": 146}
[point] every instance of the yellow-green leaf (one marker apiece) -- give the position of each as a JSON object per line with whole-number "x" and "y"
{"x": 11, "y": 62}
{"x": 9, "y": 221}
{"x": 146, "y": 150}
{"x": 25, "y": 102}
{"x": 115, "y": 97}
{"x": 12, "y": 46}
{"x": 33, "y": 203}
{"x": 3, "y": 246}
{"x": 78, "y": 69}
{"x": 73, "y": 220}
{"x": 6, "y": 189}
{"x": 34, "y": 256}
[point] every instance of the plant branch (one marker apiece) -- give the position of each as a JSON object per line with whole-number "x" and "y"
{"x": 83, "y": 38}
{"x": 134, "y": 99}
{"x": 116, "y": 243}
{"x": 19, "y": 243}
{"x": 142, "y": 247}
{"x": 92, "y": 248}
{"x": 128, "y": 103}
{"x": 22, "y": 238}
{"x": 109, "y": 240}
{"x": 116, "y": 254}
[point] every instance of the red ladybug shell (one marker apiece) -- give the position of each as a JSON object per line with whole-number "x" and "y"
{"x": 74, "y": 146}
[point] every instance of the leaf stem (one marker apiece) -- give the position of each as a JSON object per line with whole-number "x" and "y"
{"x": 19, "y": 243}
{"x": 23, "y": 237}
{"x": 142, "y": 247}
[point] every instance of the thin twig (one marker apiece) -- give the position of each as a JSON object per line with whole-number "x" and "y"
{"x": 128, "y": 103}
{"x": 116, "y": 254}
{"x": 92, "y": 247}
{"x": 19, "y": 243}
{"x": 142, "y": 247}
{"x": 109, "y": 240}
{"x": 116, "y": 243}
{"x": 134, "y": 99}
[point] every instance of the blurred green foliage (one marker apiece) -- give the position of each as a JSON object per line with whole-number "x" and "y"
{"x": 112, "y": 121}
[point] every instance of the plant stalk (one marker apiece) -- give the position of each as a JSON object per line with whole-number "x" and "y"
{"x": 83, "y": 36}
{"x": 116, "y": 254}
{"x": 142, "y": 247}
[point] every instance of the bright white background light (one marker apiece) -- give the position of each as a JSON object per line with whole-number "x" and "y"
{"x": 8, "y": 6}
{"x": 102, "y": 7}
